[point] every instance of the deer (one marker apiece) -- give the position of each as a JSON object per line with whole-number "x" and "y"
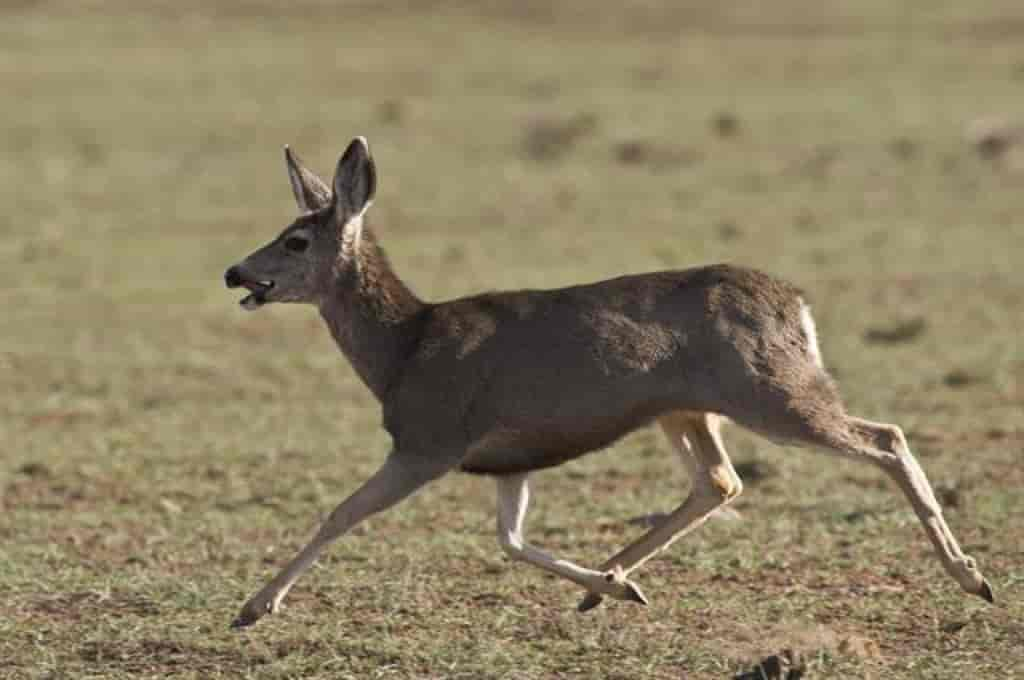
{"x": 504, "y": 384}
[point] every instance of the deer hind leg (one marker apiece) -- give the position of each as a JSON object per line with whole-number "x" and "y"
{"x": 513, "y": 500}
{"x": 821, "y": 422}
{"x": 697, "y": 438}
{"x": 886, "y": 447}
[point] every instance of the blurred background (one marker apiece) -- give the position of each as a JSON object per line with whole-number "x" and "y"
{"x": 165, "y": 452}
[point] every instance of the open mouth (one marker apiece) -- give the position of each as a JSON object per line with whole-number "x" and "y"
{"x": 258, "y": 294}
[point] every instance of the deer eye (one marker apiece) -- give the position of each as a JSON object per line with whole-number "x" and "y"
{"x": 296, "y": 244}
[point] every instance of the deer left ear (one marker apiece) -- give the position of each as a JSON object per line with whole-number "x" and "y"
{"x": 311, "y": 193}
{"x": 355, "y": 181}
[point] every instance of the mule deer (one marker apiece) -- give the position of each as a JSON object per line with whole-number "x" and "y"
{"x": 503, "y": 384}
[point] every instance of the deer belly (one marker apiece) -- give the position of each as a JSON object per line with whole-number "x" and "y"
{"x": 509, "y": 452}
{"x": 508, "y": 462}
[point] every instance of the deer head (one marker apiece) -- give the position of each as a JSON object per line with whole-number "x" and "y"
{"x": 322, "y": 243}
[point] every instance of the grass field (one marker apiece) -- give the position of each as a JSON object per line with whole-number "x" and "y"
{"x": 164, "y": 453}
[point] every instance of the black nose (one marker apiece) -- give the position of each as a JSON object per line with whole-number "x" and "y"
{"x": 232, "y": 278}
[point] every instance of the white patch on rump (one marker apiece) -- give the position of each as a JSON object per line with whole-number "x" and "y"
{"x": 811, "y": 333}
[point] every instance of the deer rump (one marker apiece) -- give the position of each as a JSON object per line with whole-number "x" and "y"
{"x": 537, "y": 378}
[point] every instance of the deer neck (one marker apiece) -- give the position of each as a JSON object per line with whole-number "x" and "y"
{"x": 374, "y": 317}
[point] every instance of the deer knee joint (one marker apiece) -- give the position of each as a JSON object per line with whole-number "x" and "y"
{"x": 898, "y": 441}
{"x": 887, "y": 438}
{"x": 890, "y": 438}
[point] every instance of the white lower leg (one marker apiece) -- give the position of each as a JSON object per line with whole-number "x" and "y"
{"x": 513, "y": 500}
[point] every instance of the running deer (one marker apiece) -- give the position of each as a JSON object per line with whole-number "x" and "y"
{"x": 504, "y": 384}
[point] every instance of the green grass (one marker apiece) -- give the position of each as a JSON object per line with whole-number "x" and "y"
{"x": 165, "y": 453}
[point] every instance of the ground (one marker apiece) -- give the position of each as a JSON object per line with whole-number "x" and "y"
{"x": 166, "y": 452}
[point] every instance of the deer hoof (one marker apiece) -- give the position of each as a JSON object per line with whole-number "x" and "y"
{"x": 244, "y": 620}
{"x": 629, "y": 592}
{"x": 622, "y": 588}
{"x": 613, "y": 584}
{"x": 589, "y": 602}
{"x": 252, "y": 612}
{"x": 986, "y": 592}
{"x": 634, "y": 594}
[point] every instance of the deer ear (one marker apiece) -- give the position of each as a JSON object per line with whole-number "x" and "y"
{"x": 355, "y": 182}
{"x": 311, "y": 192}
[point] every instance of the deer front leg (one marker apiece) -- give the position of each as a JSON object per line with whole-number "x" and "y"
{"x": 513, "y": 500}
{"x": 398, "y": 478}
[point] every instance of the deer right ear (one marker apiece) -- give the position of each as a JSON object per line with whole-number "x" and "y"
{"x": 311, "y": 192}
{"x": 355, "y": 181}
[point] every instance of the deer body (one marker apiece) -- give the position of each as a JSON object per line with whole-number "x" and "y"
{"x": 502, "y": 372}
{"x": 504, "y": 384}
